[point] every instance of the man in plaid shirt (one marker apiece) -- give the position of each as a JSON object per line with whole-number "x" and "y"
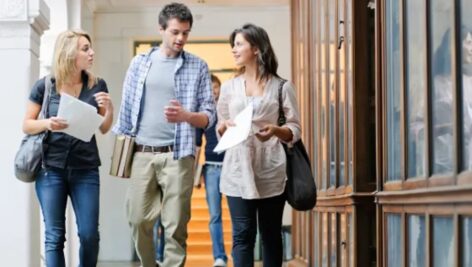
{"x": 166, "y": 95}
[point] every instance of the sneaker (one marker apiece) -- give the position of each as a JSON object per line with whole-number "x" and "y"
{"x": 219, "y": 263}
{"x": 158, "y": 263}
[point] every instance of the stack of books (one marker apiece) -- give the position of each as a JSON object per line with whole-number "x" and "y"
{"x": 122, "y": 156}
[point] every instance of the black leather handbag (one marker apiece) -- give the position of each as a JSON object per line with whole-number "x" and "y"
{"x": 300, "y": 189}
{"x": 28, "y": 158}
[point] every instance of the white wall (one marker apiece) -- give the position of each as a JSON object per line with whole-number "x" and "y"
{"x": 114, "y": 34}
{"x": 21, "y": 25}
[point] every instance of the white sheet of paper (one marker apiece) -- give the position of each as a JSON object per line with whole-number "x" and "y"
{"x": 82, "y": 118}
{"x": 236, "y": 134}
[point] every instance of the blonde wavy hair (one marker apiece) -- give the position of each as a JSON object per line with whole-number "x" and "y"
{"x": 65, "y": 52}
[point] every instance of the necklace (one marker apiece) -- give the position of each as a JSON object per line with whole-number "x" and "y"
{"x": 74, "y": 89}
{"x": 77, "y": 92}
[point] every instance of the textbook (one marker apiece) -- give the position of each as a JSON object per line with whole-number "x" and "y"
{"x": 198, "y": 167}
{"x": 122, "y": 157}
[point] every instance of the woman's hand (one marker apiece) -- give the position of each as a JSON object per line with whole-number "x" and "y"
{"x": 224, "y": 125}
{"x": 266, "y": 132}
{"x": 104, "y": 101}
{"x": 269, "y": 130}
{"x": 55, "y": 124}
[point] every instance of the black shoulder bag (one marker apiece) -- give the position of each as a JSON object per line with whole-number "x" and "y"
{"x": 300, "y": 189}
{"x": 28, "y": 158}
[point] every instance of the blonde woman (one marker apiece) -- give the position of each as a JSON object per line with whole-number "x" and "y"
{"x": 70, "y": 166}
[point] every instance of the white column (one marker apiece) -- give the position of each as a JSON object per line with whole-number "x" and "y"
{"x": 58, "y": 22}
{"x": 22, "y": 23}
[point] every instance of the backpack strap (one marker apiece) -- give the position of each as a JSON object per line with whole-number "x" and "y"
{"x": 46, "y": 97}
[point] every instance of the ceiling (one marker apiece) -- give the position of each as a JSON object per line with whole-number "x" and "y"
{"x": 124, "y": 5}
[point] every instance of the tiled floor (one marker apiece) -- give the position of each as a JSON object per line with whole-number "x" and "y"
{"x": 132, "y": 264}
{"x": 117, "y": 264}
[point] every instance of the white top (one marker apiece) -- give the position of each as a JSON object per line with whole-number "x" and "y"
{"x": 255, "y": 169}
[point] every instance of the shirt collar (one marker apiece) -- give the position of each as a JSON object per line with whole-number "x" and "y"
{"x": 180, "y": 58}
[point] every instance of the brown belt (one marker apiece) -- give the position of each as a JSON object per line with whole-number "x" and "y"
{"x": 153, "y": 149}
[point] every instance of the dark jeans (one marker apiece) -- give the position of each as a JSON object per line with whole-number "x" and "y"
{"x": 245, "y": 215}
{"x": 159, "y": 239}
{"x": 53, "y": 186}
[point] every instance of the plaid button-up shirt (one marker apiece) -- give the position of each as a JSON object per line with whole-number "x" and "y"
{"x": 192, "y": 90}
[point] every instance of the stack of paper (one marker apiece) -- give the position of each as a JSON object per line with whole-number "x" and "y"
{"x": 238, "y": 133}
{"x": 82, "y": 118}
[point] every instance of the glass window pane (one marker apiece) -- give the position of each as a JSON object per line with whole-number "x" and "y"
{"x": 316, "y": 239}
{"x": 466, "y": 39}
{"x": 332, "y": 93}
{"x": 142, "y": 48}
{"x": 216, "y": 53}
{"x": 306, "y": 219}
{"x": 344, "y": 249}
{"x": 334, "y": 239}
{"x": 342, "y": 93}
{"x": 315, "y": 57}
{"x": 416, "y": 86}
{"x": 394, "y": 241}
{"x": 443, "y": 246}
{"x": 393, "y": 90}
{"x": 441, "y": 25}
{"x": 349, "y": 83}
{"x": 467, "y": 241}
{"x": 324, "y": 70}
{"x": 325, "y": 241}
{"x": 351, "y": 238}
{"x": 416, "y": 241}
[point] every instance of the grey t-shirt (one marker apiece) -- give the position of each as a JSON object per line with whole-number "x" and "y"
{"x": 153, "y": 128}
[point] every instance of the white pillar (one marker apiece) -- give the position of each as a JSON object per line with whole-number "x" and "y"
{"x": 22, "y": 23}
{"x": 58, "y": 23}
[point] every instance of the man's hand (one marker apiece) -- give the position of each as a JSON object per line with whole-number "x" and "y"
{"x": 266, "y": 132}
{"x": 175, "y": 112}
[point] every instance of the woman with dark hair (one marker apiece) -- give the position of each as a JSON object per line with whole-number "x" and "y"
{"x": 253, "y": 175}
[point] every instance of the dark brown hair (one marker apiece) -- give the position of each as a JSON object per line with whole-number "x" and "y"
{"x": 258, "y": 37}
{"x": 215, "y": 79}
{"x": 175, "y": 10}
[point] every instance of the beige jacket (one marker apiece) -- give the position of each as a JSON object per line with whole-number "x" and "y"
{"x": 255, "y": 169}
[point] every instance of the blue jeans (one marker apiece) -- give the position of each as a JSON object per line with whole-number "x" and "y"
{"x": 211, "y": 174}
{"x": 245, "y": 215}
{"x": 159, "y": 239}
{"x": 53, "y": 186}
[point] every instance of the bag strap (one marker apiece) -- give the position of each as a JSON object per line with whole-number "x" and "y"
{"x": 281, "y": 120}
{"x": 47, "y": 93}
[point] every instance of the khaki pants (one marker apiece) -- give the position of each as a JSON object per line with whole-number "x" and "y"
{"x": 160, "y": 185}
